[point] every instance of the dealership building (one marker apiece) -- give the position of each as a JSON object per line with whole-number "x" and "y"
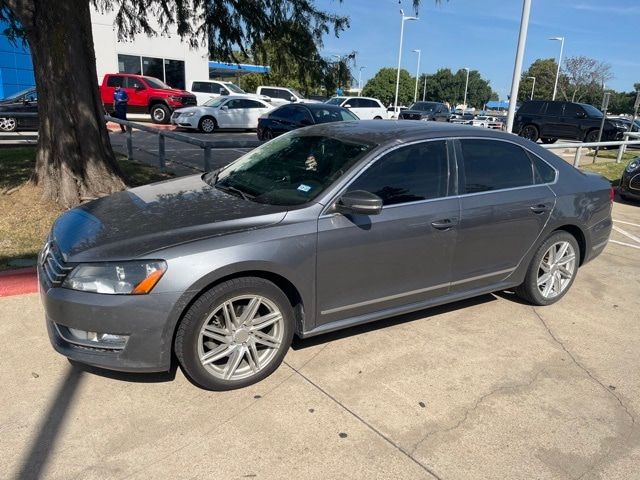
{"x": 164, "y": 57}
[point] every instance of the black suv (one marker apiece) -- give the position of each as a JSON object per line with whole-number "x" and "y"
{"x": 434, "y": 111}
{"x": 548, "y": 121}
{"x": 25, "y": 101}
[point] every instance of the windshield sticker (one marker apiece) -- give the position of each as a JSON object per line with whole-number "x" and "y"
{"x": 304, "y": 188}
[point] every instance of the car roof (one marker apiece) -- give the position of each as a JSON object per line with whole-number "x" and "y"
{"x": 314, "y": 106}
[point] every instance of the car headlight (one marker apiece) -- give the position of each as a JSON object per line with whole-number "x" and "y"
{"x": 122, "y": 278}
{"x": 633, "y": 165}
{"x": 188, "y": 114}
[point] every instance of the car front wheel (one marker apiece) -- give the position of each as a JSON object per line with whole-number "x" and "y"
{"x": 8, "y": 124}
{"x": 530, "y": 132}
{"x": 160, "y": 113}
{"x": 235, "y": 334}
{"x": 552, "y": 270}
{"x": 207, "y": 125}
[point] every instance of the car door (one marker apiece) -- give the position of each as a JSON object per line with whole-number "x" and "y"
{"x": 138, "y": 94}
{"x": 283, "y": 119}
{"x": 554, "y": 124}
{"x": 503, "y": 209}
{"x": 403, "y": 255}
{"x": 29, "y": 105}
{"x": 233, "y": 116}
{"x": 574, "y": 116}
{"x": 358, "y": 106}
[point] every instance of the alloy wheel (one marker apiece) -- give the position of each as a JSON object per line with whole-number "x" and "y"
{"x": 529, "y": 132}
{"x": 7, "y": 124}
{"x": 240, "y": 337}
{"x": 208, "y": 125}
{"x": 556, "y": 269}
{"x": 158, "y": 115}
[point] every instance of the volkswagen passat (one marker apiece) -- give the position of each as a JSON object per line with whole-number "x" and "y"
{"x": 320, "y": 229}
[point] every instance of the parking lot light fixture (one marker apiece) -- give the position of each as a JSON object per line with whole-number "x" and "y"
{"x": 555, "y": 85}
{"x": 404, "y": 19}
{"x": 415, "y": 93}
{"x": 466, "y": 87}
{"x": 533, "y": 87}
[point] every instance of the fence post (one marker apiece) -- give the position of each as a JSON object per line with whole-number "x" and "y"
{"x": 161, "y": 151}
{"x": 623, "y": 147}
{"x": 576, "y": 161}
{"x": 129, "y": 142}
{"x": 207, "y": 158}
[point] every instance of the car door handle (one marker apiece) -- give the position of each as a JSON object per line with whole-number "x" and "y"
{"x": 540, "y": 208}
{"x": 444, "y": 224}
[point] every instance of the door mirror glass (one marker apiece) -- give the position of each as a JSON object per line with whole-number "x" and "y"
{"x": 224, "y": 108}
{"x": 348, "y": 105}
{"x": 359, "y": 201}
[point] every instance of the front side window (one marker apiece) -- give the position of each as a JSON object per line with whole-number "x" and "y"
{"x": 301, "y": 114}
{"x": 156, "y": 83}
{"x": 292, "y": 169}
{"x": 234, "y": 104}
{"x": 215, "y": 102}
{"x": 327, "y": 115}
{"x": 115, "y": 81}
{"x": 335, "y": 101}
{"x": 592, "y": 111}
{"x": 572, "y": 110}
{"x": 494, "y": 165}
{"x": 408, "y": 174}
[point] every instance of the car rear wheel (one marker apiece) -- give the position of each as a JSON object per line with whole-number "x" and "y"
{"x": 8, "y": 124}
{"x": 160, "y": 113}
{"x": 548, "y": 141}
{"x": 530, "y": 132}
{"x": 235, "y": 334}
{"x": 552, "y": 270}
{"x": 591, "y": 136}
{"x": 267, "y": 134}
{"x": 377, "y": 118}
{"x": 207, "y": 125}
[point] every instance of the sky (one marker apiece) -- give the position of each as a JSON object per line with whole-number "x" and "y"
{"x": 483, "y": 34}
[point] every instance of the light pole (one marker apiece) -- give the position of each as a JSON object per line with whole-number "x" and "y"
{"x": 533, "y": 87}
{"x": 466, "y": 86}
{"x": 424, "y": 88}
{"x": 555, "y": 85}
{"x": 517, "y": 67}
{"x": 404, "y": 19}
{"x": 415, "y": 92}
{"x": 360, "y": 79}
{"x": 339, "y": 57}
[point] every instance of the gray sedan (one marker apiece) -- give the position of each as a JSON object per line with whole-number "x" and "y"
{"x": 320, "y": 229}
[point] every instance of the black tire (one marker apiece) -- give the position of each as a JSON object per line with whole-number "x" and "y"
{"x": 267, "y": 134}
{"x": 377, "y": 118}
{"x": 530, "y": 132}
{"x": 187, "y": 336}
{"x": 549, "y": 141}
{"x": 591, "y": 136}
{"x": 207, "y": 124}
{"x": 160, "y": 113}
{"x": 8, "y": 124}
{"x": 528, "y": 290}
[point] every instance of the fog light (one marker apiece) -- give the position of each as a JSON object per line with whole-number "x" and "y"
{"x": 92, "y": 339}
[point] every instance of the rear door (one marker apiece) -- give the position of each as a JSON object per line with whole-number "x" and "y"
{"x": 138, "y": 94}
{"x": 554, "y": 123}
{"x": 573, "y": 118}
{"x": 403, "y": 255}
{"x": 504, "y": 205}
{"x": 231, "y": 114}
{"x": 107, "y": 90}
{"x": 29, "y": 105}
{"x": 252, "y": 111}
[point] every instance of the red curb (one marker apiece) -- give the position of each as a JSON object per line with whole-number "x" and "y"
{"x": 114, "y": 127}
{"x": 18, "y": 282}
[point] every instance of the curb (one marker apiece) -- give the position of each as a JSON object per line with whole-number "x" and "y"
{"x": 18, "y": 282}
{"x": 115, "y": 127}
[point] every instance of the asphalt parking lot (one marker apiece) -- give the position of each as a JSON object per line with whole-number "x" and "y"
{"x": 489, "y": 388}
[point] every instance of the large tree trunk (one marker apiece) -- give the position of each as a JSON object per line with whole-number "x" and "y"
{"x": 74, "y": 161}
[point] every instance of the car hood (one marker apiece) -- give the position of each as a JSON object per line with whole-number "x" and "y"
{"x": 175, "y": 92}
{"x": 142, "y": 220}
{"x": 201, "y": 109}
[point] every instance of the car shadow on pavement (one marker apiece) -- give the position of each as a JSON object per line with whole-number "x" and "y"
{"x": 299, "y": 343}
{"x": 129, "y": 377}
{"x": 52, "y": 422}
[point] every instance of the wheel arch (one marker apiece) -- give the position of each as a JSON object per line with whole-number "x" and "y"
{"x": 155, "y": 101}
{"x": 579, "y": 235}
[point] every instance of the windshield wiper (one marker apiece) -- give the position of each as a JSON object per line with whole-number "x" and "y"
{"x": 229, "y": 188}
{"x": 212, "y": 177}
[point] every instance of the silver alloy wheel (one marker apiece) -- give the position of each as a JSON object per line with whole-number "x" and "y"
{"x": 159, "y": 115}
{"x": 556, "y": 269}
{"x": 240, "y": 337}
{"x": 208, "y": 125}
{"x": 7, "y": 124}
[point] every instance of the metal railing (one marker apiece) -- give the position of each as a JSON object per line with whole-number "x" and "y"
{"x": 579, "y": 146}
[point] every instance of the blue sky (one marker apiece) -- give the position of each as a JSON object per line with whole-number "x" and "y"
{"x": 482, "y": 35}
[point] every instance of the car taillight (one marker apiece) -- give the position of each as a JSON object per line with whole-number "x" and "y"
{"x": 612, "y": 194}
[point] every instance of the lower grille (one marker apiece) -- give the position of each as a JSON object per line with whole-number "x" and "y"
{"x": 634, "y": 183}
{"x": 189, "y": 101}
{"x": 52, "y": 265}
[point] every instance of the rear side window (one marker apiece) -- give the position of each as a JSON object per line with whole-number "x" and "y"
{"x": 572, "y": 110}
{"x": 530, "y": 107}
{"x": 202, "y": 87}
{"x": 494, "y": 165}
{"x": 115, "y": 81}
{"x": 285, "y": 112}
{"x": 554, "y": 108}
{"x": 366, "y": 103}
{"x": 408, "y": 174}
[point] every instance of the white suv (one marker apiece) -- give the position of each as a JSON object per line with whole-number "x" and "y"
{"x": 365, "y": 108}
{"x": 205, "y": 90}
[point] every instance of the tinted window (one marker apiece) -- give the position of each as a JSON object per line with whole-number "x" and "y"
{"x": 494, "y": 165}
{"x": 251, "y": 104}
{"x": 115, "y": 81}
{"x": 129, "y": 64}
{"x": 174, "y": 73}
{"x": 134, "y": 83}
{"x": 270, "y": 92}
{"x": 237, "y": 103}
{"x": 203, "y": 87}
{"x": 530, "y": 107}
{"x": 542, "y": 170}
{"x": 300, "y": 114}
{"x": 366, "y": 103}
{"x": 286, "y": 112}
{"x": 424, "y": 106}
{"x": 335, "y": 101}
{"x": 326, "y": 115}
{"x": 572, "y": 110}
{"x": 554, "y": 108}
{"x": 591, "y": 110}
{"x": 408, "y": 174}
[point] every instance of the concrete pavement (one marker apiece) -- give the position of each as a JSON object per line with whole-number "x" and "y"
{"x": 489, "y": 388}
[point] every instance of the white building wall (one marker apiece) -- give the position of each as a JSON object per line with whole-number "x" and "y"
{"x": 107, "y": 48}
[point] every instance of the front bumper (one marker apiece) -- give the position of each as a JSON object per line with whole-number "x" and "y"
{"x": 630, "y": 184}
{"x": 147, "y": 320}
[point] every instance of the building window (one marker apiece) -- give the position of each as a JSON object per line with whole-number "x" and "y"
{"x": 152, "y": 67}
{"x": 129, "y": 64}
{"x": 169, "y": 71}
{"x": 174, "y": 73}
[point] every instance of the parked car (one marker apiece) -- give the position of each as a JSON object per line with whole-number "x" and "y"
{"x": 629, "y": 188}
{"x": 282, "y": 95}
{"x": 392, "y": 112}
{"x": 433, "y": 111}
{"x": 548, "y": 121}
{"x": 289, "y": 117}
{"x": 146, "y": 95}
{"x": 320, "y": 229}
{"x": 24, "y": 101}
{"x": 233, "y": 111}
{"x": 462, "y": 119}
{"x": 366, "y": 108}
{"x": 205, "y": 90}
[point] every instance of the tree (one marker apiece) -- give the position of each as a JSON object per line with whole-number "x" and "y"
{"x": 544, "y": 70}
{"x": 383, "y": 86}
{"x": 584, "y": 79}
{"x": 75, "y": 161}
{"x": 445, "y": 86}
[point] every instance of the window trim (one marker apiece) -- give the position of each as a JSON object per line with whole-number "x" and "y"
{"x": 529, "y": 152}
{"x": 326, "y": 211}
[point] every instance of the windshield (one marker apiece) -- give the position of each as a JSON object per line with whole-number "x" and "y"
{"x": 19, "y": 94}
{"x": 296, "y": 93}
{"x": 290, "y": 170}
{"x": 215, "y": 102}
{"x": 156, "y": 83}
{"x": 234, "y": 88}
{"x": 423, "y": 106}
{"x": 591, "y": 110}
{"x": 335, "y": 101}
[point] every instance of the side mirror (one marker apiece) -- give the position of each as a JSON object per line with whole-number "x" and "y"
{"x": 359, "y": 201}
{"x": 25, "y": 101}
{"x": 348, "y": 105}
{"x": 139, "y": 88}
{"x": 581, "y": 115}
{"x": 224, "y": 108}
{"x": 292, "y": 99}
{"x": 224, "y": 91}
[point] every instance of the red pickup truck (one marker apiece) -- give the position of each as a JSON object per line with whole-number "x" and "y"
{"x": 146, "y": 95}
